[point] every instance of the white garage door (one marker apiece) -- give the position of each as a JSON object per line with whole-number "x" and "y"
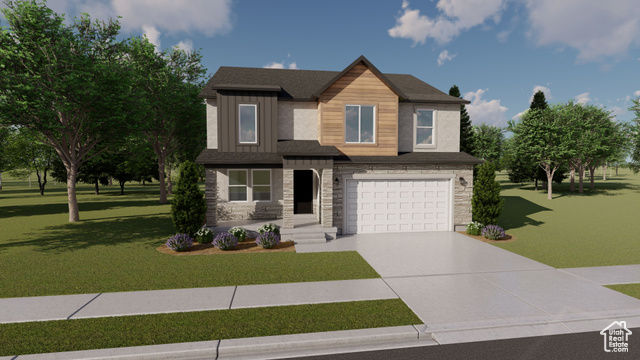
{"x": 397, "y": 205}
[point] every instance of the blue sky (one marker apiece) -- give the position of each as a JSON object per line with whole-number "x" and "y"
{"x": 497, "y": 51}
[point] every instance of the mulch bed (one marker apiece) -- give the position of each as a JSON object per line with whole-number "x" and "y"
{"x": 507, "y": 238}
{"x": 246, "y": 247}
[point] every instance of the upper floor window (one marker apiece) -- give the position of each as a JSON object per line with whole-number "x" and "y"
{"x": 248, "y": 123}
{"x": 359, "y": 123}
{"x": 425, "y": 127}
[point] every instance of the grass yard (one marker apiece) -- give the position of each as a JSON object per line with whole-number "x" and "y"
{"x": 111, "y": 332}
{"x": 597, "y": 228}
{"x": 629, "y": 289}
{"x": 113, "y": 247}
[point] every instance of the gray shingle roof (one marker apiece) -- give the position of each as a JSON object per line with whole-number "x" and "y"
{"x": 413, "y": 158}
{"x": 304, "y": 84}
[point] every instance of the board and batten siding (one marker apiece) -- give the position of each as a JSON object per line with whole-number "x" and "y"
{"x": 228, "y": 101}
{"x": 359, "y": 86}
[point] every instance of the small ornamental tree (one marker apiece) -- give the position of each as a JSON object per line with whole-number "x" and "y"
{"x": 188, "y": 207}
{"x": 486, "y": 202}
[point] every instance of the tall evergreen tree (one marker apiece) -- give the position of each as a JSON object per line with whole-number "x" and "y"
{"x": 486, "y": 202}
{"x": 188, "y": 207}
{"x": 466, "y": 131}
{"x": 539, "y": 101}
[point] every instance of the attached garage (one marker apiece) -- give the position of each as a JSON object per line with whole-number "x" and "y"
{"x": 374, "y": 205}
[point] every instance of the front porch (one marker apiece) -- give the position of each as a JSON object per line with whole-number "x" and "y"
{"x": 306, "y": 228}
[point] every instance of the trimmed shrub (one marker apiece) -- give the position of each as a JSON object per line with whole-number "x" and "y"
{"x": 204, "y": 236}
{"x": 493, "y": 232}
{"x": 225, "y": 241}
{"x": 179, "y": 242}
{"x": 474, "y": 228}
{"x": 486, "y": 202}
{"x": 268, "y": 240}
{"x": 188, "y": 207}
{"x": 238, "y": 232}
{"x": 269, "y": 228}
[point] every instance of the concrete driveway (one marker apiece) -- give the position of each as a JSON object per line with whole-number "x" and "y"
{"x": 460, "y": 286}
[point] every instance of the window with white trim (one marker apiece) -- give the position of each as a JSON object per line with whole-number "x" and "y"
{"x": 261, "y": 185}
{"x": 237, "y": 185}
{"x": 248, "y": 123}
{"x": 360, "y": 123}
{"x": 425, "y": 127}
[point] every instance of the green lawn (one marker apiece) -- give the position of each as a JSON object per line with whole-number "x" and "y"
{"x": 113, "y": 247}
{"x": 597, "y": 228}
{"x": 111, "y": 332}
{"x": 629, "y": 289}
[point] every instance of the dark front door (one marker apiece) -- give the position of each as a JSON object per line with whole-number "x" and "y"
{"x": 303, "y": 192}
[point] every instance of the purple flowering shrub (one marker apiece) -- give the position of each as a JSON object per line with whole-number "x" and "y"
{"x": 225, "y": 241}
{"x": 179, "y": 242}
{"x": 268, "y": 240}
{"x": 493, "y": 232}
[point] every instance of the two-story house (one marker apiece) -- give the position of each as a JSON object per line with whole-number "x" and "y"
{"x": 362, "y": 150}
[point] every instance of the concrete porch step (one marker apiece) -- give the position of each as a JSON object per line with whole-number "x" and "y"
{"x": 308, "y": 235}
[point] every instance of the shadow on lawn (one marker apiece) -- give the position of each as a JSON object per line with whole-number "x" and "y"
{"x": 610, "y": 188}
{"x": 516, "y": 211}
{"x": 86, "y": 234}
{"x": 49, "y": 209}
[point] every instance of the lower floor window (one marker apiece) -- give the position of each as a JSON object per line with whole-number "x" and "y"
{"x": 237, "y": 185}
{"x": 261, "y": 185}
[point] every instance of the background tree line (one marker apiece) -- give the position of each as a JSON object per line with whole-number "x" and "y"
{"x": 550, "y": 143}
{"x": 80, "y": 104}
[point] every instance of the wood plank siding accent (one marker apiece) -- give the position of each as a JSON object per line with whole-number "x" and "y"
{"x": 228, "y": 102}
{"x": 359, "y": 86}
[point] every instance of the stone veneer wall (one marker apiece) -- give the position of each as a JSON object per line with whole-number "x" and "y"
{"x": 462, "y": 193}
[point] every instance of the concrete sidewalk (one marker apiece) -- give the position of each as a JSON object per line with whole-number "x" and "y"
{"x": 462, "y": 289}
{"x": 180, "y": 300}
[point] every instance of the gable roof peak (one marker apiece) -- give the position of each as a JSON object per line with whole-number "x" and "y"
{"x": 371, "y": 67}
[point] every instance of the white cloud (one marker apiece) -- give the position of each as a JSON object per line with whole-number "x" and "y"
{"x": 596, "y": 29}
{"x": 207, "y": 17}
{"x": 517, "y": 116}
{"x": 186, "y": 45}
{"x": 483, "y": 111}
{"x": 274, "y": 65}
{"x": 583, "y": 98}
{"x": 544, "y": 89}
{"x": 445, "y": 56}
{"x": 153, "y": 35}
{"x": 618, "y": 111}
{"x": 637, "y": 93}
{"x": 455, "y": 16}
{"x": 280, "y": 65}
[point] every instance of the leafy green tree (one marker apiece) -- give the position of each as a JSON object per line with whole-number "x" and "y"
{"x": 169, "y": 111}
{"x": 4, "y": 140}
{"x": 486, "y": 203}
{"x": 27, "y": 150}
{"x": 543, "y": 135}
{"x": 518, "y": 162}
{"x": 487, "y": 142}
{"x": 466, "y": 130}
{"x": 188, "y": 207}
{"x": 634, "y": 137}
{"x": 67, "y": 82}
